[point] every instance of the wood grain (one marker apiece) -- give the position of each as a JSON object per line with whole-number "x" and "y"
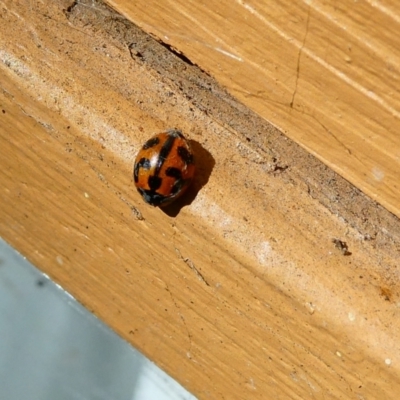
{"x": 241, "y": 291}
{"x": 324, "y": 73}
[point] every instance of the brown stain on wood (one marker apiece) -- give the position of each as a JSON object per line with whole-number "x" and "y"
{"x": 242, "y": 293}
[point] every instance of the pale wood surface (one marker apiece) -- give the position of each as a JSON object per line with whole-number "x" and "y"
{"x": 239, "y": 294}
{"x": 324, "y": 72}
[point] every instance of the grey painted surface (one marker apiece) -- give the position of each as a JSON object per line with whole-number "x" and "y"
{"x": 53, "y": 348}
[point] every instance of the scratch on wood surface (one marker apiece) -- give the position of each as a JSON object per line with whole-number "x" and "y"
{"x": 299, "y": 57}
{"x": 335, "y": 71}
{"x": 190, "y": 264}
{"x": 188, "y": 353}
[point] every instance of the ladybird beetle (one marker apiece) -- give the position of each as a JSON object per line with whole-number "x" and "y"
{"x": 164, "y": 168}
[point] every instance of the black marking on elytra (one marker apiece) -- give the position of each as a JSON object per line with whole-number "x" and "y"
{"x": 142, "y": 163}
{"x": 185, "y": 155}
{"x": 178, "y": 185}
{"x": 154, "y": 182}
{"x": 151, "y": 197}
{"x": 164, "y": 152}
{"x": 173, "y": 172}
{"x": 151, "y": 143}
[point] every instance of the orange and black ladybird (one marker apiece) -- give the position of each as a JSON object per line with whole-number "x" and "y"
{"x": 164, "y": 168}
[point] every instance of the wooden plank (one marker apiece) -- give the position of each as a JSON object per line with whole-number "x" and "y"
{"x": 238, "y": 292}
{"x": 324, "y": 73}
